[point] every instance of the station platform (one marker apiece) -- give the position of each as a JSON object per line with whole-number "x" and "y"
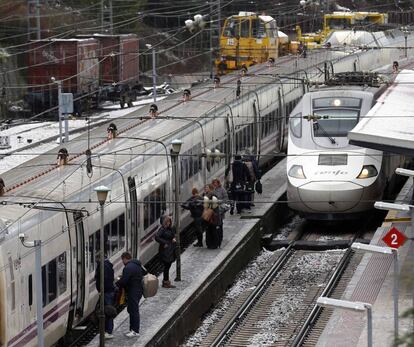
{"x": 169, "y": 316}
{"x": 373, "y": 283}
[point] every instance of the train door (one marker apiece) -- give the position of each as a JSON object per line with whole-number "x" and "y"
{"x": 80, "y": 265}
{"x": 134, "y": 237}
{"x": 3, "y": 307}
{"x": 256, "y": 131}
{"x": 281, "y": 120}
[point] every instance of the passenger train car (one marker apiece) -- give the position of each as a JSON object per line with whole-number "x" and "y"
{"x": 57, "y": 204}
{"x": 327, "y": 177}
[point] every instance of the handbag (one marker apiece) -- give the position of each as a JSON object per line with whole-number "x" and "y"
{"x": 150, "y": 285}
{"x": 259, "y": 187}
{"x": 207, "y": 214}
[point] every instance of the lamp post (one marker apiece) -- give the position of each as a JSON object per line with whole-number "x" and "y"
{"x": 406, "y": 32}
{"x": 154, "y": 73}
{"x": 102, "y": 193}
{"x": 356, "y": 246}
{"x": 175, "y": 151}
{"x": 59, "y": 84}
{"x": 350, "y": 306}
{"x": 37, "y": 245}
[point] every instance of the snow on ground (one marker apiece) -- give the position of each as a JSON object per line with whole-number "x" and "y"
{"x": 306, "y": 273}
{"x": 245, "y": 280}
{"x": 284, "y": 232}
{"x": 40, "y": 131}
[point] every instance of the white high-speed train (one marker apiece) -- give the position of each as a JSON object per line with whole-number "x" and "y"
{"x": 57, "y": 205}
{"x": 328, "y": 178}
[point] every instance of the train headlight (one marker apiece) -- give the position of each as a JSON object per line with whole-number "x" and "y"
{"x": 368, "y": 171}
{"x": 296, "y": 171}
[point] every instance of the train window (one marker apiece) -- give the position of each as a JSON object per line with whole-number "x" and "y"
{"x": 51, "y": 281}
{"x": 338, "y": 23}
{"x": 154, "y": 205}
{"x": 255, "y": 27}
{"x": 258, "y": 28}
{"x": 296, "y": 125}
{"x": 12, "y": 285}
{"x": 340, "y": 115}
{"x": 91, "y": 253}
{"x": 190, "y": 163}
{"x": 232, "y": 28}
{"x": 113, "y": 238}
{"x": 61, "y": 272}
{"x": 262, "y": 30}
{"x": 30, "y": 285}
{"x": 245, "y": 28}
{"x": 121, "y": 229}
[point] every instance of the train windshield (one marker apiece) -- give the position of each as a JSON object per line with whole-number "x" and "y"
{"x": 335, "y": 117}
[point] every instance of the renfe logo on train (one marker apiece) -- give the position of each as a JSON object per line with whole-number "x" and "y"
{"x": 394, "y": 238}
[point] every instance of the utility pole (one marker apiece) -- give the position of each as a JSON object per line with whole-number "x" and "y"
{"x": 38, "y": 36}
{"x": 111, "y": 16}
{"x": 154, "y": 72}
{"x": 107, "y": 16}
{"x": 102, "y": 16}
{"x": 211, "y": 39}
{"x": 33, "y": 19}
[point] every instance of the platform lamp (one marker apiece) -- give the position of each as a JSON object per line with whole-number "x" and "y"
{"x": 102, "y": 193}
{"x": 154, "y": 72}
{"x": 350, "y": 306}
{"x": 175, "y": 151}
{"x": 405, "y": 30}
{"x": 59, "y": 85}
{"x": 360, "y": 247}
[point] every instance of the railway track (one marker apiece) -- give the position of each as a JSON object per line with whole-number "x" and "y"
{"x": 280, "y": 310}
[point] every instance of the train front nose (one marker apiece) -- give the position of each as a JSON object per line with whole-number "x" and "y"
{"x": 330, "y": 196}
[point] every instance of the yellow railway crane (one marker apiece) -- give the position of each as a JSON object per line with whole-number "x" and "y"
{"x": 342, "y": 21}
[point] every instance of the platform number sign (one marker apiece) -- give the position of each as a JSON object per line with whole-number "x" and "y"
{"x": 394, "y": 238}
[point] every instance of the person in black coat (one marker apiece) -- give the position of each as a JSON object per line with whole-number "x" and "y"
{"x": 166, "y": 238}
{"x": 195, "y": 206}
{"x": 241, "y": 175}
{"x": 215, "y": 224}
{"x": 131, "y": 281}
{"x": 109, "y": 290}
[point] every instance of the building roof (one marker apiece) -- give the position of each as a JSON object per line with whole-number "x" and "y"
{"x": 389, "y": 125}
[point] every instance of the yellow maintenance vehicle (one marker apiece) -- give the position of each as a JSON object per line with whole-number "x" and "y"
{"x": 342, "y": 21}
{"x": 247, "y": 39}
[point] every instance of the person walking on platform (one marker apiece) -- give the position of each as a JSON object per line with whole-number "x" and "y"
{"x": 195, "y": 206}
{"x": 166, "y": 238}
{"x": 241, "y": 175}
{"x": 109, "y": 290}
{"x": 131, "y": 281}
